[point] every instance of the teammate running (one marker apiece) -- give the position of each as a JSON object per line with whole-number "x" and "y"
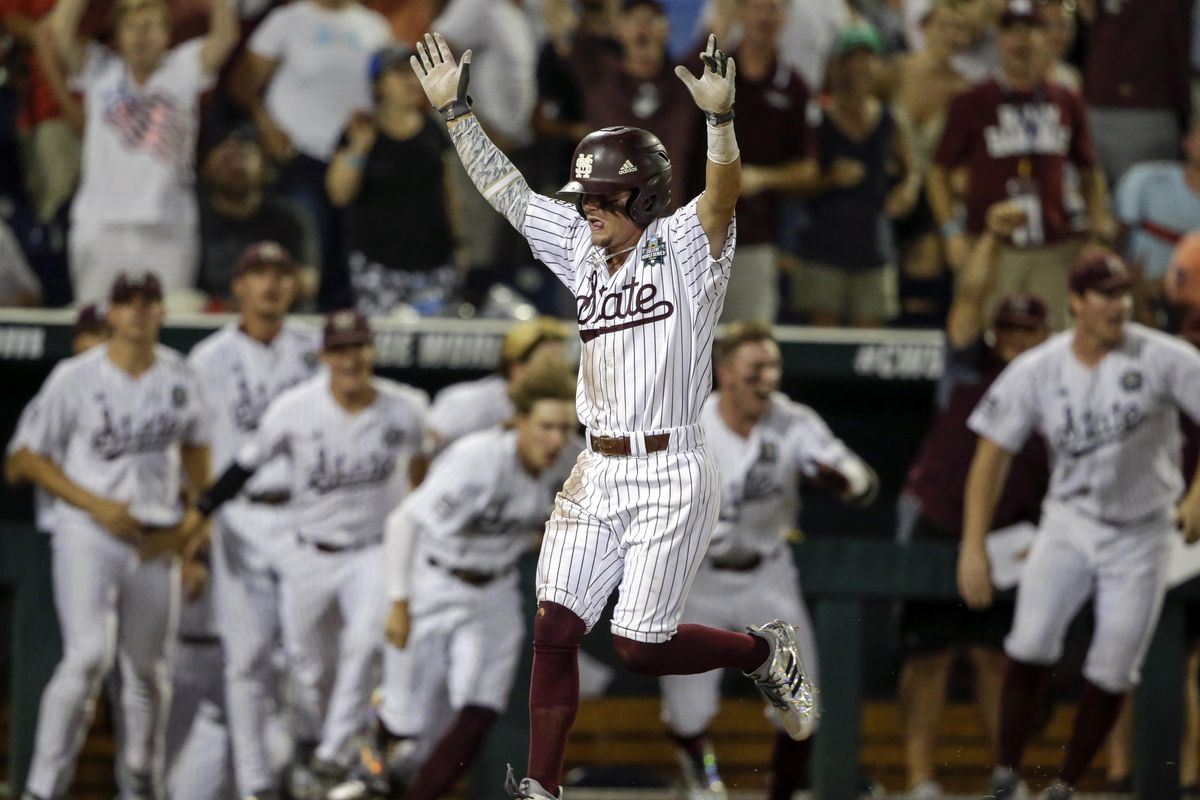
{"x": 1104, "y": 394}
{"x": 765, "y": 446}
{"x": 112, "y": 429}
{"x": 641, "y": 503}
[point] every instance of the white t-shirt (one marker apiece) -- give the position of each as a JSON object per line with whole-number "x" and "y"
{"x": 1113, "y": 430}
{"x": 139, "y": 145}
{"x": 647, "y": 331}
{"x": 348, "y": 470}
{"x": 321, "y": 79}
{"x": 118, "y": 436}
{"x": 760, "y": 474}
{"x": 503, "y": 62}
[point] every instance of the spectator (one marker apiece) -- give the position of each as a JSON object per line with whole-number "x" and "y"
{"x": 933, "y": 633}
{"x": 302, "y": 79}
{"x": 392, "y": 175}
{"x": 778, "y": 155}
{"x": 1157, "y": 203}
{"x": 845, "y": 276}
{"x": 923, "y": 84}
{"x": 18, "y": 285}
{"x": 640, "y": 88}
{"x": 979, "y": 59}
{"x": 1060, "y": 38}
{"x": 810, "y": 36}
{"x": 1014, "y": 134}
{"x": 49, "y": 118}
{"x": 236, "y": 210}
{"x": 136, "y": 203}
{"x": 1136, "y": 80}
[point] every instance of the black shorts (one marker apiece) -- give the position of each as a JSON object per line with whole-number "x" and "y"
{"x": 932, "y": 626}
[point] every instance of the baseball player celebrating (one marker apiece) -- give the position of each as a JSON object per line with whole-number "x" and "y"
{"x": 455, "y": 623}
{"x": 244, "y": 366}
{"x": 348, "y": 437}
{"x": 765, "y": 444}
{"x": 111, "y": 430}
{"x": 641, "y": 503}
{"x": 1104, "y": 394}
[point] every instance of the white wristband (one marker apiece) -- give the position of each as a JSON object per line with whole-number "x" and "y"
{"x": 722, "y": 144}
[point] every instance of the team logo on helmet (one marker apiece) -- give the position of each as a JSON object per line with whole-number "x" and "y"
{"x": 627, "y": 168}
{"x": 583, "y": 165}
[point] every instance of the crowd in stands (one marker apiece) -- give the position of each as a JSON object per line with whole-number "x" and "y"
{"x": 170, "y": 134}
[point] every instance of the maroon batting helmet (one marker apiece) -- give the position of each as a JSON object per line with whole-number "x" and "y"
{"x": 613, "y": 160}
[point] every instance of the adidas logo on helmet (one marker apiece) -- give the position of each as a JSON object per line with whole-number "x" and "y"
{"x": 627, "y": 168}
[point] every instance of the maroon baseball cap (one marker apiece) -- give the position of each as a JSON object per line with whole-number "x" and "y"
{"x": 263, "y": 254}
{"x": 90, "y": 318}
{"x": 1102, "y": 271}
{"x": 347, "y": 327}
{"x": 129, "y": 284}
{"x": 1026, "y": 11}
{"x": 1021, "y": 309}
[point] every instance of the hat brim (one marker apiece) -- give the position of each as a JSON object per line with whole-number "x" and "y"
{"x": 347, "y": 339}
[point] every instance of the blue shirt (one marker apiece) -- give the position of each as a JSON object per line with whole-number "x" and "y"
{"x": 1156, "y": 193}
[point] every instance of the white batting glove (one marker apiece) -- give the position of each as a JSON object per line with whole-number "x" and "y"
{"x": 713, "y": 90}
{"x": 444, "y": 80}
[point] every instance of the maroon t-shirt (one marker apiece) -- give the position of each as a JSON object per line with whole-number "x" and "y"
{"x": 991, "y": 130}
{"x": 938, "y": 478}
{"x": 662, "y": 106}
{"x": 1139, "y": 55}
{"x": 772, "y": 129}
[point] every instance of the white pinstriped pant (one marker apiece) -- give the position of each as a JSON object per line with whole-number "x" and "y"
{"x": 733, "y": 600}
{"x": 638, "y": 523}
{"x": 110, "y": 605}
{"x": 1074, "y": 558}
{"x": 333, "y": 610}
{"x": 199, "y": 761}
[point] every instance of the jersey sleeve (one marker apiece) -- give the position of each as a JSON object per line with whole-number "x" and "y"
{"x": 705, "y": 276}
{"x": 550, "y": 229}
{"x": 453, "y": 494}
{"x": 273, "y": 438}
{"x": 20, "y": 437}
{"x": 269, "y": 39}
{"x": 812, "y": 443}
{"x": 197, "y": 428}
{"x": 52, "y": 416}
{"x": 1183, "y": 378}
{"x": 1007, "y": 414}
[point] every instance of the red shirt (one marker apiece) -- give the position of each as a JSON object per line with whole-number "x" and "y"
{"x": 38, "y": 104}
{"x": 1138, "y": 55}
{"x": 772, "y": 129}
{"x": 992, "y": 130}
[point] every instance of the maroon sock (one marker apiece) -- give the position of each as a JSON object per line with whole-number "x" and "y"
{"x": 453, "y": 754}
{"x": 553, "y": 691}
{"x": 694, "y": 649}
{"x": 1025, "y": 687}
{"x": 788, "y": 763}
{"x": 1094, "y": 719}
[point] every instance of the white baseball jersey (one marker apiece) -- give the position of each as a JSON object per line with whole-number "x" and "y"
{"x": 241, "y": 376}
{"x": 1113, "y": 430}
{"x": 760, "y": 486}
{"x": 118, "y": 435}
{"x": 647, "y": 330}
{"x": 43, "y": 501}
{"x": 344, "y": 467}
{"x": 470, "y": 406}
{"x": 479, "y": 508}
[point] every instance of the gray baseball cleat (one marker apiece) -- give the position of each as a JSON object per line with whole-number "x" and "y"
{"x": 782, "y": 679}
{"x": 1058, "y": 791}
{"x": 1004, "y": 784}
{"x": 527, "y": 789}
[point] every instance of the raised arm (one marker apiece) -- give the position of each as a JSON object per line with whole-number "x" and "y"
{"x": 64, "y": 23}
{"x": 713, "y": 93}
{"x": 221, "y": 38}
{"x": 966, "y": 321}
{"x": 445, "y": 84}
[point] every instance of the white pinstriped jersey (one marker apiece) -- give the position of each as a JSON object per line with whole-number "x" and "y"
{"x": 760, "y": 474}
{"x": 479, "y": 508}
{"x": 43, "y": 501}
{"x": 647, "y": 330}
{"x": 347, "y": 470}
{"x": 470, "y": 406}
{"x": 117, "y": 435}
{"x": 1113, "y": 430}
{"x": 241, "y": 376}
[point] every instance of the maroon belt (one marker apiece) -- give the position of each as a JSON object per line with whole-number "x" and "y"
{"x": 622, "y": 446}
